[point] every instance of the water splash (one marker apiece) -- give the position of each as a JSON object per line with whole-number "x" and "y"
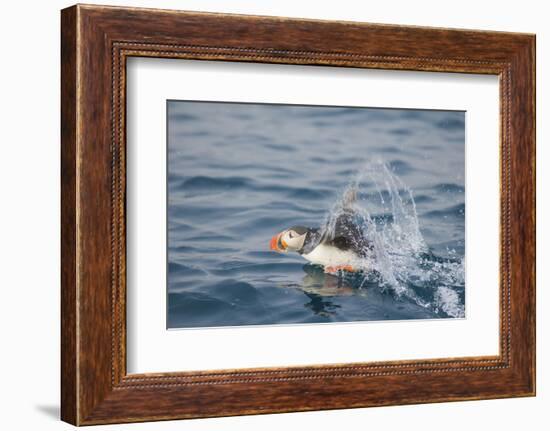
{"x": 398, "y": 257}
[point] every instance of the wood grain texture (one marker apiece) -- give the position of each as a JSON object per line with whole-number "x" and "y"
{"x": 96, "y": 41}
{"x": 69, "y": 397}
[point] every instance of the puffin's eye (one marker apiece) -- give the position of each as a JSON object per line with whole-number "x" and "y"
{"x": 291, "y": 234}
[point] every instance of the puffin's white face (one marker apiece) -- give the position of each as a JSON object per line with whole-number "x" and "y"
{"x": 293, "y": 240}
{"x": 288, "y": 240}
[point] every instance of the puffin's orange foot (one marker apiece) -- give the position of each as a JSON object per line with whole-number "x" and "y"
{"x": 334, "y": 269}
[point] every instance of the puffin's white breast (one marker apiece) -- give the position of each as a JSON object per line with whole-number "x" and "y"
{"x": 328, "y": 255}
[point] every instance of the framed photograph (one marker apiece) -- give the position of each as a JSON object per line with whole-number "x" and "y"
{"x": 264, "y": 215}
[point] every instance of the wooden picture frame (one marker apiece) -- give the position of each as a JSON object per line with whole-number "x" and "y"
{"x": 95, "y": 43}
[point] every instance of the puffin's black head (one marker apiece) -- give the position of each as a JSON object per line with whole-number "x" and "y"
{"x": 292, "y": 239}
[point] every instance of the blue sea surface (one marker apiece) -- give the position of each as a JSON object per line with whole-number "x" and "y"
{"x": 240, "y": 173}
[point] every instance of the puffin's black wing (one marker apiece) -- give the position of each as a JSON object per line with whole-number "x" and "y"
{"x": 348, "y": 235}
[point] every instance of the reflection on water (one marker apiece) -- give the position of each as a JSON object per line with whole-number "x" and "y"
{"x": 238, "y": 174}
{"x": 320, "y": 288}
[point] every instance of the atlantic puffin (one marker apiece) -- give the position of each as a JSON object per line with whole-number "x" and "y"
{"x": 343, "y": 249}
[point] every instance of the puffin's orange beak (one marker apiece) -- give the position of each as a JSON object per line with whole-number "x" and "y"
{"x": 275, "y": 241}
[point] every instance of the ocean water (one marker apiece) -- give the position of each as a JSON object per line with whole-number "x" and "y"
{"x": 240, "y": 173}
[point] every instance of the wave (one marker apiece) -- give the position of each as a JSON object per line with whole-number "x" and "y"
{"x": 449, "y": 188}
{"x": 451, "y": 123}
{"x": 453, "y": 211}
{"x": 208, "y": 183}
